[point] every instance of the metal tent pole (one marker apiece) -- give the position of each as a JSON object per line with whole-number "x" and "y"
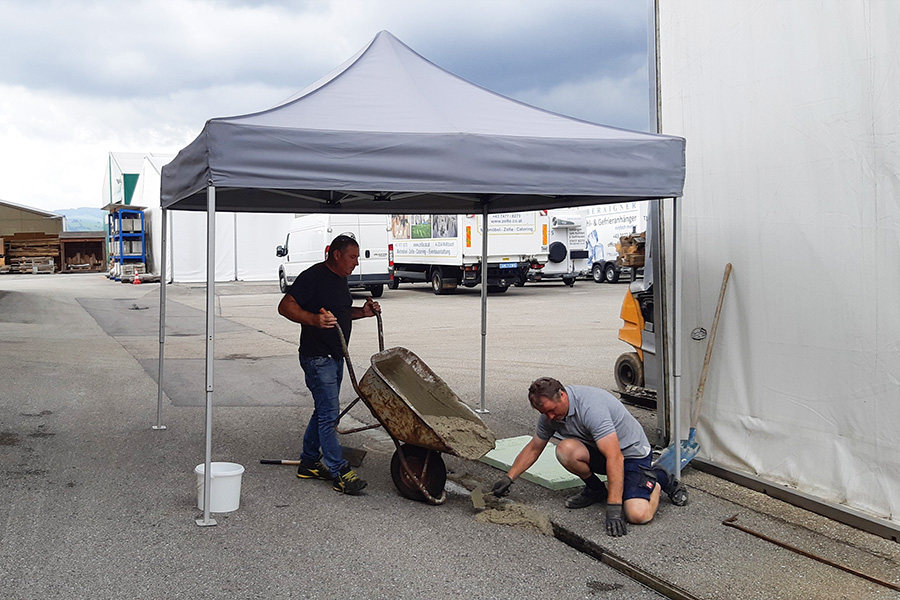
{"x": 210, "y": 339}
{"x": 484, "y": 286}
{"x": 676, "y": 336}
{"x": 162, "y": 323}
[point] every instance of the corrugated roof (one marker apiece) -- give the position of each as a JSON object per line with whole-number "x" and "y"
{"x": 31, "y": 209}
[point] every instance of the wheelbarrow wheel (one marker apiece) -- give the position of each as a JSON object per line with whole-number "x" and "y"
{"x": 435, "y": 477}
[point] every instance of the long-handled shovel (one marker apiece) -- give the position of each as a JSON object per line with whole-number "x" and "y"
{"x": 691, "y": 446}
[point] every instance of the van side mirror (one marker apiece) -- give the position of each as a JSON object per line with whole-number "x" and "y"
{"x": 280, "y": 251}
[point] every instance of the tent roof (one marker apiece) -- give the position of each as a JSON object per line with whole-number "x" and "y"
{"x": 389, "y": 131}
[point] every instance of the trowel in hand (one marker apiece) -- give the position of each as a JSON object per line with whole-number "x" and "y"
{"x": 481, "y": 499}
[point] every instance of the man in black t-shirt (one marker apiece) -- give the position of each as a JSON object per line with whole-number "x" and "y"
{"x": 320, "y": 301}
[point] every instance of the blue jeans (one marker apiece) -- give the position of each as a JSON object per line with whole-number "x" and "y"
{"x": 323, "y": 378}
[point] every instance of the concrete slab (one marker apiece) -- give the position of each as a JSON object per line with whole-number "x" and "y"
{"x": 277, "y": 381}
{"x": 92, "y": 499}
{"x": 131, "y": 317}
{"x": 546, "y": 472}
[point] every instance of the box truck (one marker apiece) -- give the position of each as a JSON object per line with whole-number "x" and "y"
{"x": 307, "y": 244}
{"x": 445, "y": 250}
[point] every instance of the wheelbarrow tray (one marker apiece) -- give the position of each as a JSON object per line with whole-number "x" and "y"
{"x": 417, "y": 407}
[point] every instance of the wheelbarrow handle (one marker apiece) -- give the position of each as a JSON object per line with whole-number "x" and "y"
{"x": 347, "y": 352}
{"x": 380, "y": 332}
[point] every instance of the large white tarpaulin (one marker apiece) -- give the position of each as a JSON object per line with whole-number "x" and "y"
{"x": 793, "y": 113}
{"x": 246, "y": 241}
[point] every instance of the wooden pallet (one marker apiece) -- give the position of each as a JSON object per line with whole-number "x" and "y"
{"x": 31, "y": 252}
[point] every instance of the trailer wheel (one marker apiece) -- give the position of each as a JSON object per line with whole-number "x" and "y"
{"x": 497, "y": 289}
{"x": 610, "y": 273}
{"x": 377, "y": 290}
{"x": 282, "y": 282}
{"x": 569, "y": 281}
{"x": 437, "y": 281}
{"x": 597, "y": 273}
{"x": 415, "y": 456}
{"x": 629, "y": 370}
{"x": 394, "y": 283}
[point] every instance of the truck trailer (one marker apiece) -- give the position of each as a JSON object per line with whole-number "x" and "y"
{"x": 567, "y": 254}
{"x": 445, "y": 250}
{"x": 605, "y": 225}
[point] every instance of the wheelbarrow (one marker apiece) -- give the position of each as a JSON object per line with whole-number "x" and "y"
{"x": 421, "y": 414}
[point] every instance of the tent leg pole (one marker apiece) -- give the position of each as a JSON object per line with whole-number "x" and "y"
{"x": 676, "y": 337}
{"x": 162, "y": 324}
{"x": 484, "y": 286}
{"x": 210, "y": 338}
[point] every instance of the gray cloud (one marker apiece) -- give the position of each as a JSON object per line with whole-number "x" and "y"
{"x": 145, "y": 75}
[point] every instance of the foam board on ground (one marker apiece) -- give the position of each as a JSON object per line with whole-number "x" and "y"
{"x": 546, "y": 471}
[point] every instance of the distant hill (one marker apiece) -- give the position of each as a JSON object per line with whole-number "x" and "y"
{"x": 84, "y": 219}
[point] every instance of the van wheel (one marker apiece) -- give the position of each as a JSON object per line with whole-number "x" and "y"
{"x": 282, "y": 282}
{"x": 377, "y": 290}
{"x": 394, "y": 283}
{"x": 610, "y": 273}
{"x": 629, "y": 370}
{"x": 437, "y": 281}
{"x": 597, "y": 273}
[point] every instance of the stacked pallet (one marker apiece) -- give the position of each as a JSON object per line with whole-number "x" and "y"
{"x": 31, "y": 252}
{"x": 631, "y": 250}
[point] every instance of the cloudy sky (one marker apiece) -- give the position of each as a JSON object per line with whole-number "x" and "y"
{"x": 82, "y": 78}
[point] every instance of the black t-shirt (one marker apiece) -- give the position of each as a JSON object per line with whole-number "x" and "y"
{"x": 319, "y": 287}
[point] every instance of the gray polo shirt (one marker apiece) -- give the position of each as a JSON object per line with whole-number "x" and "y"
{"x": 594, "y": 414}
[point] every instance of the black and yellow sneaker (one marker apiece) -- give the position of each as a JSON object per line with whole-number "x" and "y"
{"x": 312, "y": 470}
{"x": 348, "y": 482}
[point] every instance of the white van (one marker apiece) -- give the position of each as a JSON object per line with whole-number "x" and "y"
{"x": 307, "y": 243}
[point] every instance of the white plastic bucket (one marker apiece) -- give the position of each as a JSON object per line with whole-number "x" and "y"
{"x": 224, "y": 486}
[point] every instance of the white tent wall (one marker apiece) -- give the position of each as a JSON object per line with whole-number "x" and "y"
{"x": 146, "y": 195}
{"x": 255, "y": 236}
{"x": 187, "y": 247}
{"x": 791, "y": 114}
{"x": 246, "y": 241}
{"x": 118, "y": 164}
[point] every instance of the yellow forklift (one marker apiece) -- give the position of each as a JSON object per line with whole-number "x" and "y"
{"x": 637, "y": 330}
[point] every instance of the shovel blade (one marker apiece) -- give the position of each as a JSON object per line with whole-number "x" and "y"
{"x": 689, "y": 449}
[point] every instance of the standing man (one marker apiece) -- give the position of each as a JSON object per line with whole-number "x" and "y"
{"x": 319, "y": 299}
{"x": 599, "y": 437}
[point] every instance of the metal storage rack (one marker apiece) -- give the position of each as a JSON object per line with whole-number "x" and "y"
{"x": 127, "y": 243}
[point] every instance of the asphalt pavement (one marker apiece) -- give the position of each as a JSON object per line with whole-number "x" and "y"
{"x": 96, "y": 503}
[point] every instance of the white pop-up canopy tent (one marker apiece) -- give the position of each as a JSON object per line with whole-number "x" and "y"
{"x": 390, "y": 132}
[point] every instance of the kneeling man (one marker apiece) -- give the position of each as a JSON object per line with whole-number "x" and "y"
{"x": 599, "y": 437}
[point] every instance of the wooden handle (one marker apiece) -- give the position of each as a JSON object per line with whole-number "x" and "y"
{"x": 698, "y": 400}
